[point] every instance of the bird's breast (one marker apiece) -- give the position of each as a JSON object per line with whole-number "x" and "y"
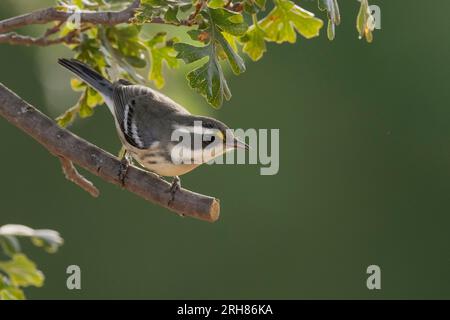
{"x": 170, "y": 169}
{"x": 157, "y": 160}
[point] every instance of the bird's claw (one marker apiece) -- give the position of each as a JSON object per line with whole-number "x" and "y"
{"x": 174, "y": 188}
{"x": 123, "y": 169}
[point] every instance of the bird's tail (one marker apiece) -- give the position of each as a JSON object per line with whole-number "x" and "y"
{"x": 88, "y": 75}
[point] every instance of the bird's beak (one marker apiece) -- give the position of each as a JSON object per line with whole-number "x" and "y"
{"x": 237, "y": 144}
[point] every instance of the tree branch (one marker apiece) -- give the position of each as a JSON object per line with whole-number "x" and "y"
{"x": 73, "y": 175}
{"x": 62, "y": 143}
{"x": 51, "y": 14}
{"x": 17, "y": 39}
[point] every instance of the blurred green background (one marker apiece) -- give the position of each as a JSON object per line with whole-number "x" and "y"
{"x": 364, "y": 174}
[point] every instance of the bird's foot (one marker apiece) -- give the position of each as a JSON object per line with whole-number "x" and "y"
{"x": 125, "y": 163}
{"x": 174, "y": 188}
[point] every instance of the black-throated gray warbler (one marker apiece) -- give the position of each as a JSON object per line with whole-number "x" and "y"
{"x": 146, "y": 120}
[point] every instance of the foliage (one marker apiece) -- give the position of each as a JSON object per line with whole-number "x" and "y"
{"x": 334, "y": 17}
{"x": 19, "y": 272}
{"x": 365, "y": 22}
{"x": 221, "y": 31}
{"x": 209, "y": 79}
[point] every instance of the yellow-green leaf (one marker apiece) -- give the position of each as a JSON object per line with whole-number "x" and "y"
{"x": 22, "y": 272}
{"x": 285, "y": 19}
{"x": 231, "y": 40}
{"x": 93, "y": 98}
{"x": 67, "y": 117}
{"x": 77, "y": 84}
{"x": 216, "y": 3}
{"x": 365, "y": 22}
{"x": 11, "y": 293}
{"x": 334, "y": 17}
{"x": 254, "y": 43}
{"x": 161, "y": 52}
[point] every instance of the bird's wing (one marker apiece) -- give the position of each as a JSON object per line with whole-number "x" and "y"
{"x": 141, "y": 111}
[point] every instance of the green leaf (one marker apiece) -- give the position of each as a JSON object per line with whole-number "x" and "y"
{"x": 136, "y": 61}
{"x": 67, "y": 117}
{"x": 9, "y": 244}
{"x": 254, "y": 43}
{"x": 161, "y": 52}
{"x": 125, "y": 39}
{"x": 232, "y": 40}
{"x": 365, "y": 22}
{"x": 236, "y": 63}
{"x": 147, "y": 10}
{"x": 217, "y": 3}
{"x": 334, "y": 17}
{"x": 261, "y": 4}
{"x": 171, "y": 15}
{"x": 208, "y": 79}
{"x": 77, "y": 84}
{"x": 254, "y": 6}
{"x": 331, "y": 32}
{"x": 189, "y": 53}
{"x": 84, "y": 110}
{"x": 332, "y": 8}
{"x": 286, "y": 18}
{"x": 150, "y": 9}
{"x": 125, "y": 31}
{"x": 227, "y": 21}
{"x": 184, "y": 7}
{"x": 22, "y": 272}
{"x": 8, "y": 291}
{"x": 11, "y": 293}
{"x": 78, "y": 3}
{"x": 93, "y": 98}
{"x": 89, "y": 99}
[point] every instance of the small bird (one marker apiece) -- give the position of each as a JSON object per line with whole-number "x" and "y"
{"x": 146, "y": 120}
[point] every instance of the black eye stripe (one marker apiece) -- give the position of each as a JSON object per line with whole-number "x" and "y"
{"x": 208, "y": 140}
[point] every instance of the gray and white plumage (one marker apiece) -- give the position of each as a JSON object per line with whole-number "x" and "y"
{"x": 145, "y": 119}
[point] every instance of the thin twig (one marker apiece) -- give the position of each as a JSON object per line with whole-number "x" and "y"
{"x": 74, "y": 176}
{"x": 47, "y": 15}
{"x": 63, "y": 143}
{"x": 53, "y": 15}
{"x": 53, "y": 29}
{"x": 17, "y": 39}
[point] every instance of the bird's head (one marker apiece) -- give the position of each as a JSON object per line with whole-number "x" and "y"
{"x": 218, "y": 132}
{"x": 206, "y": 137}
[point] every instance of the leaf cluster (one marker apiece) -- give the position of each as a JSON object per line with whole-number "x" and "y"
{"x": 221, "y": 33}
{"x": 18, "y": 271}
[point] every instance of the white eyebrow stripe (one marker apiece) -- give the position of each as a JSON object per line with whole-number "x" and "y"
{"x": 195, "y": 129}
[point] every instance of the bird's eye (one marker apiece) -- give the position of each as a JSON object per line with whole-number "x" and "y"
{"x": 207, "y": 140}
